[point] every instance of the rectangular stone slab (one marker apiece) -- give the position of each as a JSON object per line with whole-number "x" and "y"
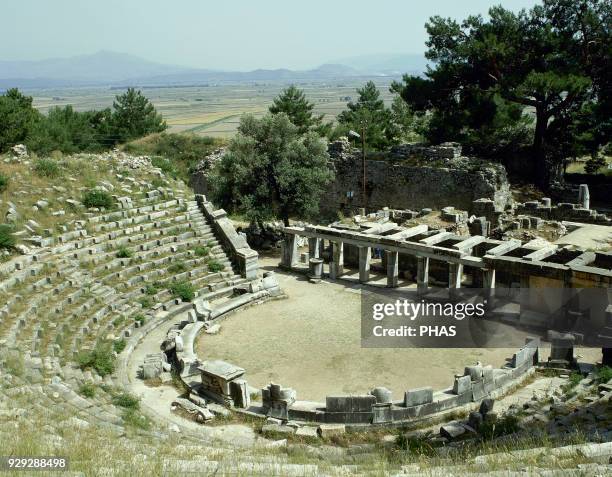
{"x": 418, "y": 396}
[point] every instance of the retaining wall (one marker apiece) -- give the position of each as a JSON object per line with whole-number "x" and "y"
{"x": 244, "y": 258}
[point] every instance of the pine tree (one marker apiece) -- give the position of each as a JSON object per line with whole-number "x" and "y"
{"x": 369, "y": 116}
{"x": 134, "y": 116}
{"x": 292, "y": 101}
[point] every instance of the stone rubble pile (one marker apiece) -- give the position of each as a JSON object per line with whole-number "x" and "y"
{"x": 208, "y": 163}
{"x": 445, "y": 151}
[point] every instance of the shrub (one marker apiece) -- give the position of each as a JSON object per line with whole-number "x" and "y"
{"x": 165, "y": 165}
{"x": 124, "y": 252}
{"x": 184, "y": 150}
{"x": 127, "y": 401}
{"x": 201, "y": 251}
{"x": 151, "y": 289}
{"x": 3, "y": 182}
{"x": 145, "y": 302}
{"x": 119, "y": 345}
{"x": 509, "y": 424}
{"x": 215, "y": 266}
{"x": 140, "y": 318}
{"x": 183, "y": 290}
{"x": 415, "y": 445}
{"x": 158, "y": 182}
{"x": 604, "y": 374}
{"x": 7, "y": 239}
{"x": 88, "y": 390}
{"x": 133, "y": 418}
{"x": 47, "y": 168}
{"x": 98, "y": 198}
{"x": 118, "y": 321}
{"x": 101, "y": 359}
{"x": 177, "y": 267}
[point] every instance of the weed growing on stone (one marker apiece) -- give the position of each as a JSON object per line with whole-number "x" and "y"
{"x": 124, "y": 252}
{"x": 127, "y": 401}
{"x": 87, "y": 390}
{"x": 178, "y": 267}
{"x": 119, "y": 345}
{"x": 215, "y": 266}
{"x": 201, "y": 251}
{"x": 100, "y": 358}
{"x": 151, "y": 289}
{"x": 98, "y": 198}
{"x": 183, "y": 290}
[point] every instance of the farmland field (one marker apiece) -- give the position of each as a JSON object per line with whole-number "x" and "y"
{"x": 214, "y": 110}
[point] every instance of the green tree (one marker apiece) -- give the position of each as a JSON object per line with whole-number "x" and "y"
{"x": 70, "y": 131}
{"x": 595, "y": 163}
{"x": 404, "y": 120}
{"x": 292, "y": 101}
{"x": 272, "y": 171}
{"x": 134, "y": 116}
{"x": 16, "y": 118}
{"x": 488, "y": 73}
{"x": 369, "y": 117}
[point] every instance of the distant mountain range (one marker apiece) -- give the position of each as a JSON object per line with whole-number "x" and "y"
{"x": 107, "y": 68}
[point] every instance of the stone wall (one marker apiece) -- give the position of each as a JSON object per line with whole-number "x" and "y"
{"x": 412, "y": 176}
{"x": 236, "y": 246}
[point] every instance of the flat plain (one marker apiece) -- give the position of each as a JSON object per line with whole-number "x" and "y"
{"x": 214, "y": 110}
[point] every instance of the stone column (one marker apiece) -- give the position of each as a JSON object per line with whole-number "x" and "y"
{"x": 583, "y": 196}
{"x": 336, "y": 267}
{"x": 489, "y": 286}
{"x": 455, "y": 272}
{"x": 392, "y": 268}
{"x": 422, "y": 274}
{"x": 364, "y": 264}
{"x": 289, "y": 251}
{"x": 314, "y": 247}
{"x": 315, "y": 269}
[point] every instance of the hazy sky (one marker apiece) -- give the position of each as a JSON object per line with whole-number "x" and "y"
{"x": 226, "y": 34}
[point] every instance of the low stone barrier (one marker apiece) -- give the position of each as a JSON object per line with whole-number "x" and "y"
{"x": 477, "y": 383}
{"x": 234, "y": 244}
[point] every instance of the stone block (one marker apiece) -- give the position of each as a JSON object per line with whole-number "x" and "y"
{"x": 329, "y": 430}
{"x": 277, "y": 429}
{"x": 418, "y": 396}
{"x": 478, "y": 391}
{"x": 475, "y": 420}
{"x": 382, "y": 395}
{"x": 451, "y": 431}
{"x": 349, "y": 403}
{"x": 474, "y": 372}
{"x": 307, "y": 431}
{"x": 486, "y": 406}
{"x": 462, "y": 384}
{"x": 239, "y": 390}
{"x": 382, "y": 413}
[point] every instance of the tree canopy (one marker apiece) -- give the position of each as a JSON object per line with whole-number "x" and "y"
{"x": 134, "y": 116}
{"x": 369, "y": 116}
{"x": 540, "y": 76}
{"x": 292, "y": 101}
{"x": 16, "y": 118}
{"x": 68, "y": 130}
{"x": 272, "y": 171}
